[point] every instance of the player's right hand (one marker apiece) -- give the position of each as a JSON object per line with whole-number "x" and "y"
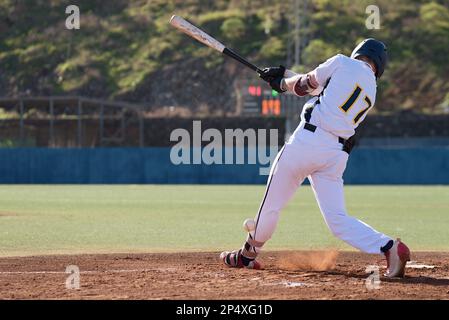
{"x": 276, "y": 84}
{"x": 271, "y": 73}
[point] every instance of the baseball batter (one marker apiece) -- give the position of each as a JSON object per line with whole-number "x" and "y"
{"x": 343, "y": 90}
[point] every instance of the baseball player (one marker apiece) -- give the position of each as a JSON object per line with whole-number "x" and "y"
{"x": 344, "y": 90}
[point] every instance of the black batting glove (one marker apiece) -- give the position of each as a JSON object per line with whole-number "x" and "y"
{"x": 269, "y": 74}
{"x": 276, "y": 84}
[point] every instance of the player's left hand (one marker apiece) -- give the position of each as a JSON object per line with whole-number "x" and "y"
{"x": 269, "y": 74}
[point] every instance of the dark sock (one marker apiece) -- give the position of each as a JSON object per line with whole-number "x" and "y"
{"x": 246, "y": 260}
{"x": 387, "y": 247}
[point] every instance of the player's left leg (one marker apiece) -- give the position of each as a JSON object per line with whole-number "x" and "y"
{"x": 329, "y": 193}
{"x": 330, "y": 197}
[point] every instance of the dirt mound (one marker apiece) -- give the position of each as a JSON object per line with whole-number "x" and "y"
{"x": 287, "y": 275}
{"x": 309, "y": 261}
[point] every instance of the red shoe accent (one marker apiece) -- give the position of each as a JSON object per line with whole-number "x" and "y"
{"x": 255, "y": 265}
{"x": 403, "y": 251}
{"x": 397, "y": 258}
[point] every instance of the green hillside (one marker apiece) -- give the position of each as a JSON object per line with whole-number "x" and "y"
{"x": 126, "y": 49}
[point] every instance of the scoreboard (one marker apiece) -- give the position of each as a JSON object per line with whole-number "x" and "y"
{"x": 259, "y": 100}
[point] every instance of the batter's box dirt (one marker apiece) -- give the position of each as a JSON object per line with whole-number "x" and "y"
{"x": 287, "y": 275}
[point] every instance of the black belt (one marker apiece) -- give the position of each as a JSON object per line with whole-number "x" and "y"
{"x": 312, "y": 128}
{"x": 347, "y": 147}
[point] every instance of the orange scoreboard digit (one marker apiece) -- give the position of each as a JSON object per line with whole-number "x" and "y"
{"x": 271, "y": 107}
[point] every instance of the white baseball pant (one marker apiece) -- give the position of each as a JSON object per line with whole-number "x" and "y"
{"x": 319, "y": 156}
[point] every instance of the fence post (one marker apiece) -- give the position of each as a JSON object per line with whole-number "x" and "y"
{"x": 101, "y": 124}
{"x": 52, "y": 133}
{"x": 80, "y": 111}
{"x": 21, "y": 111}
{"x": 122, "y": 125}
{"x": 141, "y": 130}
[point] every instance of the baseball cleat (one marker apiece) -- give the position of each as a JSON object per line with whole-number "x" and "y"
{"x": 235, "y": 259}
{"x": 397, "y": 258}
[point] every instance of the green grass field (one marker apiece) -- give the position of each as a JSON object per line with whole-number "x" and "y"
{"x": 102, "y": 219}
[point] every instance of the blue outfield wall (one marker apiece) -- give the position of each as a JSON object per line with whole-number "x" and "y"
{"x": 153, "y": 166}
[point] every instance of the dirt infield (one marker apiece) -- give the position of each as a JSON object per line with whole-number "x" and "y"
{"x": 287, "y": 275}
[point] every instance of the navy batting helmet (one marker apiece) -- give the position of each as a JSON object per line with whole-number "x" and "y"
{"x": 375, "y": 50}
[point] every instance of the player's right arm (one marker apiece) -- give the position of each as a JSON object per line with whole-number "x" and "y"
{"x": 301, "y": 84}
{"x": 313, "y": 82}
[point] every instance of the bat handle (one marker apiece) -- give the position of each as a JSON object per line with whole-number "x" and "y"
{"x": 242, "y": 60}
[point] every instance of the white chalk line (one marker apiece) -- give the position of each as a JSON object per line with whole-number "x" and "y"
{"x": 416, "y": 265}
{"x": 86, "y": 272}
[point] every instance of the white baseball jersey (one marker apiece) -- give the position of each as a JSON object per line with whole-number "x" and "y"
{"x": 347, "y": 98}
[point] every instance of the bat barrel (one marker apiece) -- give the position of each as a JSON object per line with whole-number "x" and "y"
{"x": 198, "y": 34}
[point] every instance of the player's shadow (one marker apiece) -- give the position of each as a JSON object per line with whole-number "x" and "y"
{"x": 418, "y": 280}
{"x": 407, "y": 280}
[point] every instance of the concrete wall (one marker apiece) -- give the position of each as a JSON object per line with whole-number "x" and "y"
{"x": 153, "y": 166}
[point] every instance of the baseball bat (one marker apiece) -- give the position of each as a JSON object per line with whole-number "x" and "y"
{"x": 198, "y": 34}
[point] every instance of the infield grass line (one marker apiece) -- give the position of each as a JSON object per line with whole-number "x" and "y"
{"x": 91, "y": 219}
